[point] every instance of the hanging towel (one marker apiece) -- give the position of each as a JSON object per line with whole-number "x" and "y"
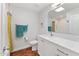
{"x": 10, "y": 47}
{"x": 20, "y": 29}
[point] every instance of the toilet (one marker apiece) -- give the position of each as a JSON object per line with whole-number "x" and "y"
{"x": 34, "y": 44}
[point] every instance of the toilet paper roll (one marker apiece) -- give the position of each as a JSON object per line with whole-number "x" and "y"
{"x": 26, "y": 38}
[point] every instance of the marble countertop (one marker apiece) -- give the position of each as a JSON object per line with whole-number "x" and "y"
{"x": 69, "y": 44}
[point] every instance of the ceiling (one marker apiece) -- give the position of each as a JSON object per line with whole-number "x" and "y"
{"x": 66, "y": 6}
{"x": 35, "y": 7}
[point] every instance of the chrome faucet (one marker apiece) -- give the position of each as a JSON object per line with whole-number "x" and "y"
{"x": 51, "y": 33}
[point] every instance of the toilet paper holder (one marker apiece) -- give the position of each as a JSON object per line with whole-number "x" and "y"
{"x": 26, "y": 38}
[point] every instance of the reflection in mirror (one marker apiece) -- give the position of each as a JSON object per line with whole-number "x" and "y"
{"x": 53, "y": 26}
{"x": 65, "y": 18}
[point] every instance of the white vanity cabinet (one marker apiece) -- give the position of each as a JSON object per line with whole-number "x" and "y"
{"x": 47, "y": 48}
{"x": 62, "y": 51}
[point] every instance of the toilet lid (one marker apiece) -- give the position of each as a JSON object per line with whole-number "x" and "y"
{"x": 33, "y": 42}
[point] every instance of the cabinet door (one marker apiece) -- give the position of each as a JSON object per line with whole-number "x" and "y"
{"x": 40, "y": 48}
{"x": 49, "y": 49}
{"x": 46, "y": 49}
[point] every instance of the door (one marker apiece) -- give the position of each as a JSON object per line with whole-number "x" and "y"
{"x": 53, "y": 26}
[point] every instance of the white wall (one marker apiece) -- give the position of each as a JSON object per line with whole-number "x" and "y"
{"x": 3, "y": 25}
{"x": 0, "y": 28}
{"x": 21, "y": 16}
{"x": 73, "y": 17}
{"x": 45, "y": 20}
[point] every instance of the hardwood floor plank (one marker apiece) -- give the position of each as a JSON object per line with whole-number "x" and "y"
{"x": 25, "y": 52}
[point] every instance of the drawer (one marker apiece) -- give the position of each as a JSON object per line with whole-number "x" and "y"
{"x": 47, "y": 42}
{"x": 66, "y": 52}
{"x": 61, "y": 53}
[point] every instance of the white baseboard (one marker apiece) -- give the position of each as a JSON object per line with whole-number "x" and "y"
{"x": 21, "y": 48}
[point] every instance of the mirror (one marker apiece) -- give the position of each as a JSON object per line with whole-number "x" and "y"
{"x": 65, "y": 18}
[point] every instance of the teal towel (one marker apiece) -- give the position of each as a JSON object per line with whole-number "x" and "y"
{"x": 20, "y": 29}
{"x": 49, "y": 28}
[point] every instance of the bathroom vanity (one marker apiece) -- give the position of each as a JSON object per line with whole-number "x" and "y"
{"x": 56, "y": 46}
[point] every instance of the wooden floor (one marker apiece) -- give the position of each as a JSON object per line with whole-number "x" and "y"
{"x": 25, "y": 52}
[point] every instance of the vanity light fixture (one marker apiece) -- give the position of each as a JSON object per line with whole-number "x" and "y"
{"x": 59, "y": 9}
